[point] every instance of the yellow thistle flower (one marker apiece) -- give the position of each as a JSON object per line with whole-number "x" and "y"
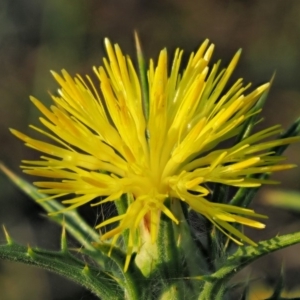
{"x": 106, "y": 147}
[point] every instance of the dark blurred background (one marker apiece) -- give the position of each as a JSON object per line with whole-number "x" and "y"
{"x": 41, "y": 35}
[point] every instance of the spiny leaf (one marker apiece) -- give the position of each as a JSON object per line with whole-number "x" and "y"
{"x": 66, "y": 265}
{"x": 243, "y": 257}
{"x": 71, "y": 220}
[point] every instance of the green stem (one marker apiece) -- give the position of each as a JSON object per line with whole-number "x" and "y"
{"x": 169, "y": 262}
{"x": 133, "y": 288}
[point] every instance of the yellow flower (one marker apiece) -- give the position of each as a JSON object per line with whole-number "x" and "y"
{"x": 104, "y": 146}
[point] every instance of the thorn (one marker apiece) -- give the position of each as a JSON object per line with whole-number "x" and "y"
{"x": 86, "y": 270}
{"x": 9, "y": 240}
{"x": 7, "y": 172}
{"x": 64, "y": 245}
{"x": 30, "y": 252}
{"x": 137, "y": 43}
{"x": 273, "y": 78}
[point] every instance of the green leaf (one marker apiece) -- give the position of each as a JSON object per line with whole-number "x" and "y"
{"x": 240, "y": 259}
{"x": 65, "y": 264}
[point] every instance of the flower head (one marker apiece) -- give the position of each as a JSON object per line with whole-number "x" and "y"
{"x": 105, "y": 146}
